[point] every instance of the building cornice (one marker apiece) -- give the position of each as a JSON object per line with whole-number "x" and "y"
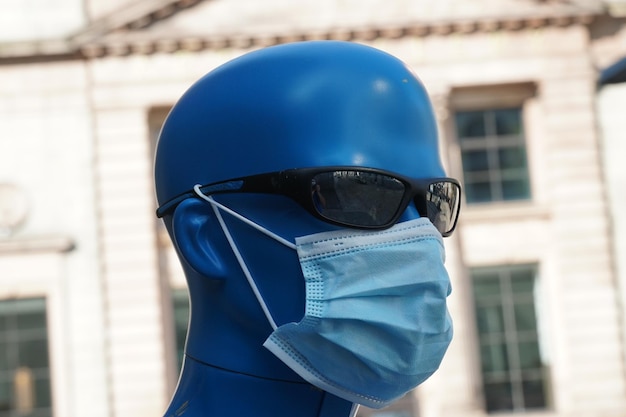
{"x": 40, "y": 244}
{"x": 120, "y": 36}
{"x": 137, "y": 43}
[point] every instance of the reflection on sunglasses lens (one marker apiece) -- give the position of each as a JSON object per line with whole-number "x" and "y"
{"x": 358, "y": 198}
{"x": 369, "y": 199}
{"x": 442, "y": 205}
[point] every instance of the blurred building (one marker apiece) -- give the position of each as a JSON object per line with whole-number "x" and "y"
{"x": 530, "y": 106}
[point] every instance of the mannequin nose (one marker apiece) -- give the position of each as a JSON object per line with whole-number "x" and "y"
{"x": 410, "y": 213}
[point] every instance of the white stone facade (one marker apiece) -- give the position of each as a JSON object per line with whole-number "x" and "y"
{"x": 80, "y": 101}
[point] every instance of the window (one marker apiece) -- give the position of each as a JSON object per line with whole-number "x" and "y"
{"x": 493, "y": 154}
{"x": 180, "y": 302}
{"x": 514, "y": 375}
{"x": 24, "y": 366}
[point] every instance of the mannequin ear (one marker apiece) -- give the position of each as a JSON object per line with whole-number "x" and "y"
{"x": 193, "y": 225}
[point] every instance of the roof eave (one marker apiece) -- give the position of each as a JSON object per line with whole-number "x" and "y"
{"x": 101, "y": 39}
{"x": 134, "y": 43}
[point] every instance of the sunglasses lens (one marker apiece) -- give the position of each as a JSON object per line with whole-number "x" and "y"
{"x": 442, "y": 205}
{"x": 357, "y": 198}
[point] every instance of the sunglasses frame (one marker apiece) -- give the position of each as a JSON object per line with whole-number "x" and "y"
{"x": 296, "y": 184}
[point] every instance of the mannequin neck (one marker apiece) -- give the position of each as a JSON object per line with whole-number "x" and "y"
{"x": 207, "y": 391}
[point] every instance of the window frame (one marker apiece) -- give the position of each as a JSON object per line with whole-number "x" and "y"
{"x": 495, "y": 97}
{"x": 19, "y": 335}
{"x": 511, "y": 338}
{"x": 493, "y": 144}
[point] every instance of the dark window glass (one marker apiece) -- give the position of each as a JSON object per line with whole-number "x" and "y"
{"x": 512, "y": 157}
{"x": 489, "y": 318}
{"x": 478, "y": 192}
{"x": 525, "y": 319}
{"x": 494, "y": 357}
{"x": 498, "y": 396}
{"x": 472, "y": 124}
{"x": 534, "y": 394}
{"x": 476, "y": 161}
{"x": 508, "y": 121}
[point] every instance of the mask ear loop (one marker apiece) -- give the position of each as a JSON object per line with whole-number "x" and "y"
{"x": 216, "y": 208}
{"x": 247, "y": 221}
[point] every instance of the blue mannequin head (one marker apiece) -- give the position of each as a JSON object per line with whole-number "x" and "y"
{"x": 300, "y": 105}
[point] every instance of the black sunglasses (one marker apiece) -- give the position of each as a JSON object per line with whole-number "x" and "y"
{"x": 364, "y": 198}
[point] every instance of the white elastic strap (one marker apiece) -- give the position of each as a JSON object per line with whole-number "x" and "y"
{"x": 249, "y": 222}
{"x": 233, "y": 246}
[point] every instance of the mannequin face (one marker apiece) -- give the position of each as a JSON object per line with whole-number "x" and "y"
{"x": 310, "y": 104}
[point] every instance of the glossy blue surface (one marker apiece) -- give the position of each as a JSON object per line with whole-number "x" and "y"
{"x": 296, "y": 105}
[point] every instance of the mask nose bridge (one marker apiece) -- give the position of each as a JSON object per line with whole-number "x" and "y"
{"x": 417, "y": 201}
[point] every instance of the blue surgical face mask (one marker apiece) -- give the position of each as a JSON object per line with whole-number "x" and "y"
{"x": 376, "y": 323}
